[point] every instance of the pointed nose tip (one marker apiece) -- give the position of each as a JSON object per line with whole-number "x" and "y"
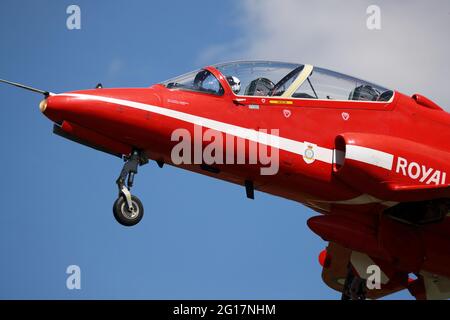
{"x": 50, "y": 107}
{"x": 43, "y": 105}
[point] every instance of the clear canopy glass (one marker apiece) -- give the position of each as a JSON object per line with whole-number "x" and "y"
{"x": 289, "y": 80}
{"x": 257, "y": 78}
{"x": 199, "y": 80}
{"x": 329, "y": 85}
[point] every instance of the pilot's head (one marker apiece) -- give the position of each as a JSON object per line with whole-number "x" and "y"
{"x": 235, "y": 84}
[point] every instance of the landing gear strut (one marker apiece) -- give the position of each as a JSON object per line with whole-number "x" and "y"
{"x": 128, "y": 209}
{"x": 354, "y": 287}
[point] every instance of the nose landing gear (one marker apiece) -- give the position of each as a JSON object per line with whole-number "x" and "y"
{"x": 128, "y": 209}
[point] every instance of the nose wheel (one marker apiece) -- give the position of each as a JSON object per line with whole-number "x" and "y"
{"x": 128, "y": 209}
{"x": 124, "y": 215}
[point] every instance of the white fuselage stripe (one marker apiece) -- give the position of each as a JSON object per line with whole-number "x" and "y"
{"x": 358, "y": 153}
{"x": 371, "y": 156}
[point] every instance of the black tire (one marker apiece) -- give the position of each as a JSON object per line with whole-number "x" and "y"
{"x": 123, "y": 215}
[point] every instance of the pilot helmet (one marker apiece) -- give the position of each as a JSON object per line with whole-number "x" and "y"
{"x": 235, "y": 84}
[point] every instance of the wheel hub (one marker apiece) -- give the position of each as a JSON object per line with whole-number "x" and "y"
{"x": 130, "y": 214}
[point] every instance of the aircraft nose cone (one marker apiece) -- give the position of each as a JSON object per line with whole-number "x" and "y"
{"x": 53, "y": 107}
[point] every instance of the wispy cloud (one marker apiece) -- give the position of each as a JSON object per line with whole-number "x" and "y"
{"x": 410, "y": 52}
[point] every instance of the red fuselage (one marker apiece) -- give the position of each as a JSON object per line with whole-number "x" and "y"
{"x": 351, "y": 159}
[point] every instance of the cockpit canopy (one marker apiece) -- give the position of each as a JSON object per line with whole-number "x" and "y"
{"x": 258, "y": 78}
{"x": 199, "y": 80}
{"x": 289, "y": 80}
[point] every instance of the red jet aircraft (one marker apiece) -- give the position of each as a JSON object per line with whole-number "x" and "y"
{"x": 374, "y": 163}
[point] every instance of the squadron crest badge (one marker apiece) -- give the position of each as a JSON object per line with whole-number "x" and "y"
{"x": 309, "y": 152}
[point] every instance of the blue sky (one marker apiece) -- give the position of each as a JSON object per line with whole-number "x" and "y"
{"x": 200, "y": 238}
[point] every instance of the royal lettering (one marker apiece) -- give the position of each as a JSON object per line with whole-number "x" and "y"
{"x": 420, "y": 172}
